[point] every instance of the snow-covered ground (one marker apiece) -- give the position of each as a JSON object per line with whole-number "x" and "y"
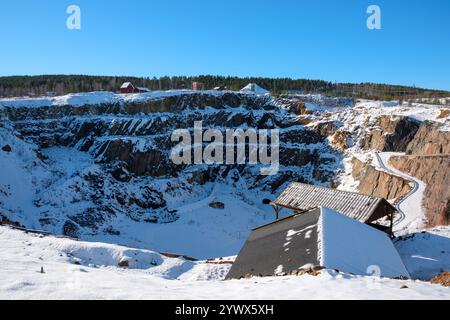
{"x": 426, "y": 253}
{"x": 94, "y": 98}
{"x": 417, "y": 111}
{"x": 105, "y": 97}
{"x": 201, "y": 232}
{"x": 80, "y": 270}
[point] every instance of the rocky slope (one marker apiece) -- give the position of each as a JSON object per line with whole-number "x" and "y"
{"x": 430, "y": 139}
{"x": 98, "y": 167}
{"x": 427, "y": 147}
{"x": 379, "y": 183}
{"x": 110, "y": 161}
{"x": 391, "y": 134}
{"x": 429, "y": 160}
{"x": 384, "y": 134}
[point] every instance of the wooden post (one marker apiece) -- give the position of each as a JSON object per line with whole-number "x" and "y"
{"x": 277, "y": 211}
{"x": 392, "y": 224}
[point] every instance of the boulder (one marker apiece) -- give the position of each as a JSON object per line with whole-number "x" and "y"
{"x": 124, "y": 263}
{"x": 217, "y": 205}
{"x": 70, "y": 229}
{"x": 7, "y": 148}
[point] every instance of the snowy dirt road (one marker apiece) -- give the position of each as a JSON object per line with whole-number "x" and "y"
{"x": 411, "y": 214}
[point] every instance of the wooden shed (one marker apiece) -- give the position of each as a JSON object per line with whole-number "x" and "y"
{"x": 317, "y": 239}
{"x": 300, "y": 197}
{"x": 198, "y": 86}
{"x": 127, "y": 87}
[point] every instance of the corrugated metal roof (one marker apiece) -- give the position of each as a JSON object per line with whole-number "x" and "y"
{"x": 299, "y": 196}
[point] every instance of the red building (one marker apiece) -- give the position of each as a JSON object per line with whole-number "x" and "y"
{"x": 198, "y": 86}
{"x": 127, "y": 87}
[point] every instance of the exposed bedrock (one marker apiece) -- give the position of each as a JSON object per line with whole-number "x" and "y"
{"x": 391, "y": 134}
{"x": 379, "y": 183}
{"x": 434, "y": 170}
{"x": 173, "y": 104}
{"x": 430, "y": 139}
{"x": 132, "y": 173}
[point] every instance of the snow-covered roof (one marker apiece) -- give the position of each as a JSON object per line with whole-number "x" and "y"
{"x": 353, "y": 247}
{"x": 319, "y": 238}
{"x": 254, "y": 88}
{"x": 143, "y": 89}
{"x": 126, "y": 85}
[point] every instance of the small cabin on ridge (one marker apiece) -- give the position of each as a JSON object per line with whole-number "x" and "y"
{"x": 198, "y": 86}
{"x": 128, "y": 87}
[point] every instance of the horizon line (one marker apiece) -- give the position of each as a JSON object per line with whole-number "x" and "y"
{"x": 225, "y": 76}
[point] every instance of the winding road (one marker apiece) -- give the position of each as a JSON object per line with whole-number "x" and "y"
{"x": 411, "y": 214}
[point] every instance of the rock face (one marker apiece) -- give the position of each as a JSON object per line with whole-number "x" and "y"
{"x": 326, "y": 128}
{"x": 7, "y": 148}
{"x": 429, "y": 161}
{"x": 435, "y": 172}
{"x": 442, "y": 279}
{"x": 428, "y": 147}
{"x": 379, "y": 183}
{"x": 217, "y": 205}
{"x": 391, "y": 134}
{"x": 132, "y": 175}
{"x": 430, "y": 140}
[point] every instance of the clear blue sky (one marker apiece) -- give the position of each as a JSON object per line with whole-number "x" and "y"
{"x": 320, "y": 39}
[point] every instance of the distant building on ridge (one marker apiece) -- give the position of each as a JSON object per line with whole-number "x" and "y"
{"x": 198, "y": 86}
{"x": 128, "y": 87}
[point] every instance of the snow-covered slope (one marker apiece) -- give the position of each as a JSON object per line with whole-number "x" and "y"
{"x": 22, "y": 174}
{"x": 95, "y": 98}
{"x": 426, "y": 254}
{"x": 80, "y": 270}
{"x": 352, "y": 246}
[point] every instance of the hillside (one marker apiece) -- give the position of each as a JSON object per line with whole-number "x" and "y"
{"x": 15, "y": 86}
{"x": 96, "y": 167}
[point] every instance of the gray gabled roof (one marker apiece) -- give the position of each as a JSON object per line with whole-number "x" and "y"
{"x": 364, "y": 208}
{"x": 291, "y": 243}
{"x": 318, "y": 238}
